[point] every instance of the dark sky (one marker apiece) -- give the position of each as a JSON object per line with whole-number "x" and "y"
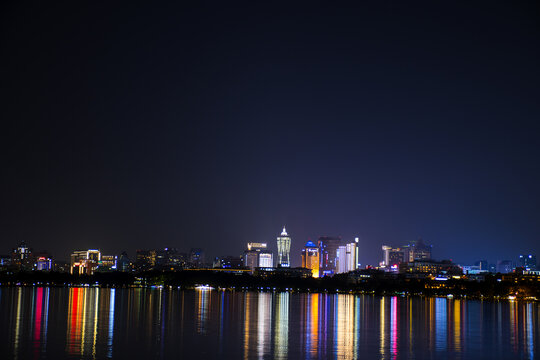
{"x": 128, "y": 126}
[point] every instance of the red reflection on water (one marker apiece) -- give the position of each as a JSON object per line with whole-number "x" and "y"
{"x": 393, "y": 327}
{"x": 37, "y": 321}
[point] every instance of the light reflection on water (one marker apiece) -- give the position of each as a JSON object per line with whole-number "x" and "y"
{"x": 93, "y": 323}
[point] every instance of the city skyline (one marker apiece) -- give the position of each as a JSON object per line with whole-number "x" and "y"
{"x": 390, "y": 259}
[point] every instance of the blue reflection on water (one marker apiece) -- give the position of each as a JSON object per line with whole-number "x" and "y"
{"x": 88, "y": 323}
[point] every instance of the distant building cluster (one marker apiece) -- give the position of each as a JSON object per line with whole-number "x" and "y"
{"x": 330, "y": 255}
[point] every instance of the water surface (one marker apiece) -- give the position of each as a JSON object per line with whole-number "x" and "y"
{"x": 93, "y": 323}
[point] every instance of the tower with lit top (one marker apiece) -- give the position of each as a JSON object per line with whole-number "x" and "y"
{"x": 284, "y": 248}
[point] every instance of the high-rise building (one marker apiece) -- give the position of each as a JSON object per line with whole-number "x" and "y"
{"x": 143, "y": 260}
{"x": 504, "y": 266}
{"x": 284, "y": 248}
{"x": 266, "y": 259}
{"x": 310, "y": 258}
{"x": 196, "y": 257}
{"x": 257, "y": 255}
{"x": 228, "y": 262}
{"x": 328, "y": 246}
{"x": 21, "y": 257}
{"x": 341, "y": 259}
{"x": 392, "y": 257}
{"x": 44, "y": 262}
{"x": 351, "y": 256}
{"x": 108, "y": 262}
{"x": 417, "y": 250}
{"x": 123, "y": 263}
{"x": 85, "y": 262}
{"x": 528, "y": 262}
{"x": 346, "y": 258}
{"x": 482, "y": 264}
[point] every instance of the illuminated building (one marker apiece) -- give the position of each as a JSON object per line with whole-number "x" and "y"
{"x": 108, "y": 262}
{"x": 351, "y": 256}
{"x": 341, "y": 259}
{"x": 196, "y": 257}
{"x": 5, "y": 260}
{"x": 430, "y": 267}
{"x": 251, "y": 259}
{"x": 528, "y": 262}
{"x": 85, "y": 262}
{"x": 143, "y": 260}
{"x": 44, "y": 262}
{"x": 310, "y": 258}
{"x": 268, "y": 272}
{"x": 284, "y": 249}
{"x": 392, "y": 256}
{"x": 483, "y": 264}
{"x": 346, "y": 258}
{"x": 228, "y": 262}
{"x": 123, "y": 263}
{"x": 257, "y": 255}
{"x": 327, "y": 254}
{"x": 21, "y": 257}
{"x": 417, "y": 250}
{"x": 504, "y": 266}
{"x": 266, "y": 259}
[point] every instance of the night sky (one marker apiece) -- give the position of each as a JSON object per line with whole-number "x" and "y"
{"x": 201, "y": 125}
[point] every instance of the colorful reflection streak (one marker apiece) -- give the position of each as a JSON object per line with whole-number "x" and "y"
{"x": 344, "y": 326}
{"x": 281, "y": 329}
{"x": 312, "y": 325}
{"x": 264, "y": 324}
{"x": 111, "y": 324}
{"x": 394, "y": 327}
{"x": 203, "y": 304}
{"x": 90, "y": 316}
{"x": 40, "y": 320}
{"x": 92, "y": 323}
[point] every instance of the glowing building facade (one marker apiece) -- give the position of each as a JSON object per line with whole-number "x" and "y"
{"x": 284, "y": 249}
{"x": 257, "y": 255}
{"x": 85, "y": 262}
{"x": 310, "y": 258}
{"x": 392, "y": 257}
{"x": 346, "y": 258}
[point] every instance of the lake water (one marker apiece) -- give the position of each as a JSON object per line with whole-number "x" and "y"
{"x": 75, "y": 323}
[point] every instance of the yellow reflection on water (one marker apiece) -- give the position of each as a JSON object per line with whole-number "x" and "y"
{"x": 281, "y": 330}
{"x": 203, "y": 304}
{"x": 74, "y": 321}
{"x": 18, "y": 322}
{"x": 345, "y": 326}
{"x": 248, "y": 299}
{"x": 264, "y": 324}
{"x": 382, "y": 329}
{"x": 513, "y": 324}
{"x": 312, "y": 333}
{"x": 95, "y": 311}
{"x": 457, "y": 325}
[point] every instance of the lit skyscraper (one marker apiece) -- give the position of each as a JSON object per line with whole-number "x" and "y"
{"x": 392, "y": 256}
{"x": 327, "y": 254}
{"x": 528, "y": 262}
{"x": 257, "y": 255}
{"x": 346, "y": 258}
{"x": 310, "y": 258}
{"x": 284, "y": 248}
{"x": 417, "y": 250}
